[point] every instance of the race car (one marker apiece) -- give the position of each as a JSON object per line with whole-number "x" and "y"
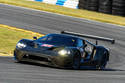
{"x": 64, "y": 50}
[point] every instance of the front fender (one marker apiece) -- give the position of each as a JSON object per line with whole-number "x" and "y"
{"x": 26, "y": 42}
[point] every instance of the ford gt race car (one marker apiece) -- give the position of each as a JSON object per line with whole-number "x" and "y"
{"x": 65, "y": 50}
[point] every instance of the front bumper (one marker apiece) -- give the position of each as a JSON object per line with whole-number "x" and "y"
{"x": 42, "y": 58}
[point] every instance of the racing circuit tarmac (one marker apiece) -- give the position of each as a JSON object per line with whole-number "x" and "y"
{"x": 42, "y": 22}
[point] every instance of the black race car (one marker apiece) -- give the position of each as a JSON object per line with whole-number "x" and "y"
{"x": 65, "y": 50}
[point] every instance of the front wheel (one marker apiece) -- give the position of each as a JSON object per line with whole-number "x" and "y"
{"x": 17, "y": 58}
{"x": 76, "y": 62}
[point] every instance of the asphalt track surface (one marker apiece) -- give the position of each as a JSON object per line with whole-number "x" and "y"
{"x": 42, "y": 22}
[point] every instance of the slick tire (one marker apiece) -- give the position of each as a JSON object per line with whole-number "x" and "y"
{"x": 118, "y": 12}
{"x": 105, "y": 9}
{"x": 102, "y": 64}
{"x": 76, "y": 62}
{"x": 105, "y": 2}
{"x": 17, "y": 59}
{"x": 119, "y": 1}
{"x": 92, "y": 8}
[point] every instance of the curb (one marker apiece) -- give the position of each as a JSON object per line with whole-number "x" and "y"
{"x": 22, "y": 30}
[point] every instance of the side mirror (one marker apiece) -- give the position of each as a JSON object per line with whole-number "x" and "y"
{"x": 35, "y": 38}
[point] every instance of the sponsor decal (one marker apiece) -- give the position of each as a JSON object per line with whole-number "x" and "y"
{"x": 47, "y": 45}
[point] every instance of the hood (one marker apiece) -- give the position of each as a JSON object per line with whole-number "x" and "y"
{"x": 44, "y": 46}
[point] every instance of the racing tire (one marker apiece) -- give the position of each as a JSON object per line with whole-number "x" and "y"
{"x": 76, "y": 62}
{"x": 102, "y": 64}
{"x": 117, "y": 11}
{"x": 104, "y": 9}
{"x": 118, "y": 7}
{"x": 16, "y": 58}
{"x": 105, "y": 6}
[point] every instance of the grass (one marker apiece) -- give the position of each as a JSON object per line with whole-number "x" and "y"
{"x": 9, "y": 36}
{"x": 68, "y": 11}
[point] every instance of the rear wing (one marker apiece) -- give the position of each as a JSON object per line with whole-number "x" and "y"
{"x": 89, "y": 36}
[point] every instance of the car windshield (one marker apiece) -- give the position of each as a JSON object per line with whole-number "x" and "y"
{"x": 59, "y": 40}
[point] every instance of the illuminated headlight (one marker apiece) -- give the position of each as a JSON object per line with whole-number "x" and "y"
{"x": 64, "y": 52}
{"x": 21, "y": 45}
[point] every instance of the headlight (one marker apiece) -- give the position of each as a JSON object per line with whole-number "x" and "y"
{"x": 21, "y": 45}
{"x": 64, "y": 52}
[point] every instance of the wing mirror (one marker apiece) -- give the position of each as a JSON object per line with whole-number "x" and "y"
{"x": 35, "y": 38}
